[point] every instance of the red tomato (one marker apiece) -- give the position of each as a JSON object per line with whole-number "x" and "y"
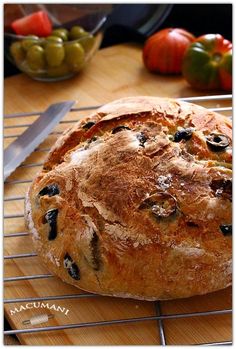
{"x": 163, "y": 52}
{"x": 37, "y": 23}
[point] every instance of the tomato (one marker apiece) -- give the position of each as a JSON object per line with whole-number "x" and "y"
{"x": 38, "y": 23}
{"x": 163, "y": 52}
{"x": 207, "y": 63}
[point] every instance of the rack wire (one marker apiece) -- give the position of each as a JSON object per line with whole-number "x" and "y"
{"x": 159, "y": 316}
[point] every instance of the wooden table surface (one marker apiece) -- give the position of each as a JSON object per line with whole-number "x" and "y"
{"x": 113, "y": 73}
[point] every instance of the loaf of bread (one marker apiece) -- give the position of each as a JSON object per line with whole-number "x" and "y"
{"x": 135, "y": 201}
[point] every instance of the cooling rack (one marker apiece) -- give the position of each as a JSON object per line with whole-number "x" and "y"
{"x": 160, "y": 314}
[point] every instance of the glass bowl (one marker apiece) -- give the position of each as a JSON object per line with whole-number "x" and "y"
{"x": 51, "y": 58}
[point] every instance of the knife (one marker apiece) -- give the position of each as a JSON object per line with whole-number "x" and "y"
{"x": 25, "y": 144}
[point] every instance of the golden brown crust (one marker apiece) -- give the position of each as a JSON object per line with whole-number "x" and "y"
{"x": 137, "y": 213}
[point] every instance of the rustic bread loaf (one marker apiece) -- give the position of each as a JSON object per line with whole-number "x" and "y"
{"x": 135, "y": 201}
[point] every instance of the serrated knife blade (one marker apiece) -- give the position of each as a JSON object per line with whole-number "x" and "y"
{"x": 25, "y": 144}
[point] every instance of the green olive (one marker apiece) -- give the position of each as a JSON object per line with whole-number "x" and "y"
{"x": 74, "y": 56}
{"x": 17, "y": 52}
{"x": 29, "y": 41}
{"x": 60, "y": 71}
{"x": 55, "y": 54}
{"x": 35, "y": 58}
{"x": 61, "y": 33}
{"x": 56, "y": 39}
{"x": 35, "y": 74}
{"x": 24, "y": 66}
{"x": 77, "y": 32}
{"x": 87, "y": 42}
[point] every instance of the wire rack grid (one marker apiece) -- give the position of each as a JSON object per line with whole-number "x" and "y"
{"x": 159, "y": 316}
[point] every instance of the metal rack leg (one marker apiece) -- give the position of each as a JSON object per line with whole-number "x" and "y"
{"x": 160, "y": 324}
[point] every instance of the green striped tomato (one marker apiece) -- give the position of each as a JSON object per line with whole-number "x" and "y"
{"x": 207, "y": 63}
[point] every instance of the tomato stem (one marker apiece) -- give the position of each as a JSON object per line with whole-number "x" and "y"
{"x": 217, "y": 56}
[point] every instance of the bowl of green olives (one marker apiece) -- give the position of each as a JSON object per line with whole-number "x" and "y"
{"x": 59, "y": 56}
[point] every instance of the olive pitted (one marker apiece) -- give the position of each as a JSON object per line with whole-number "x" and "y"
{"x": 74, "y": 56}
{"x": 30, "y": 41}
{"x": 50, "y": 190}
{"x": 222, "y": 187}
{"x": 17, "y": 52}
{"x": 35, "y": 58}
{"x": 88, "y": 125}
{"x": 77, "y": 32}
{"x": 184, "y": 134}
{"x": 53, "y": 38}
{"x": 51, "y": 218}
{"x": 120, "y": 128}
{"x": 54, "y": 53}
{"x": 58, "y": 72}
{"x": 141, "y": 138}
{"x": 87, "y": 42}
{"x": 61, "y": 33}
{"x": 226, "y": 229}
{"x": 217, "y": 142}
{"x": 71, "y": 267}
{"x": 161, "y": 205}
